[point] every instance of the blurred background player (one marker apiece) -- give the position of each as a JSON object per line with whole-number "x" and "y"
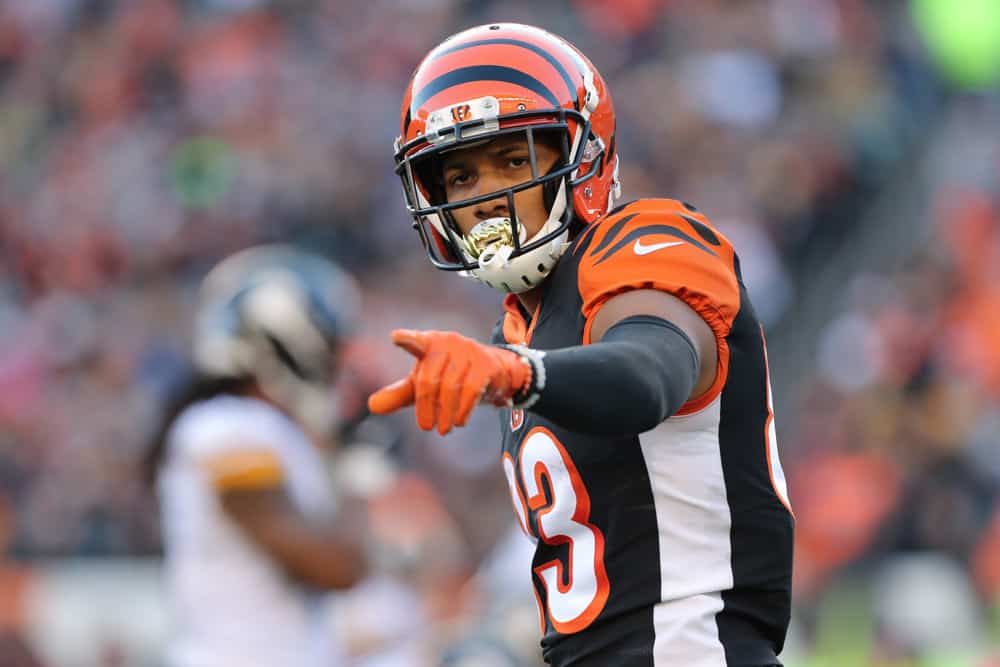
{"x": 629, "y": 363}
{"x": 251, "y": 530}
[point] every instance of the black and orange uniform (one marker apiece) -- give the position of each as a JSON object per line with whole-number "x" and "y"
{"x": 672, "y": 546}
{"x": 669, "y": 542}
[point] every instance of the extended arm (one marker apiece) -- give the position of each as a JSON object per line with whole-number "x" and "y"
{"x": 649, "y": 354}
{"x": 644, "y": 364}
{"x": 641, "y": 373}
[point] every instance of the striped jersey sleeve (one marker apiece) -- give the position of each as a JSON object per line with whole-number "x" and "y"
{"x": 666, "y": 245}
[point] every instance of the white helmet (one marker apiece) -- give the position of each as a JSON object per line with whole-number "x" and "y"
{"x": 278, "y": 315}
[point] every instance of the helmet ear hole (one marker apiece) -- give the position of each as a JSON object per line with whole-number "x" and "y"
{"x": 609, "y": 155}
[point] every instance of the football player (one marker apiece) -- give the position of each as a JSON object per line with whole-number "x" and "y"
{"x": 628, "y": 365}
{"x": 250, "y": 535}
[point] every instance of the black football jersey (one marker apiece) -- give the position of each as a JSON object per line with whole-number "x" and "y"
{"x": 674, "y": 546}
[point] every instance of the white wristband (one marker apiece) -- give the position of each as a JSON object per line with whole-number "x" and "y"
{"x": 534, "y": 358}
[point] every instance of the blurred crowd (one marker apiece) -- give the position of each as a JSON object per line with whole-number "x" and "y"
{"x": 141, "y": 141}
{"x": 895, "y": 459}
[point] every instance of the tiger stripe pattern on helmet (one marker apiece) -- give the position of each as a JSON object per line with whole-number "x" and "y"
{"x": 480, "y": 68}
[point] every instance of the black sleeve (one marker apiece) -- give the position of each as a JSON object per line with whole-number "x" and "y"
{"x": 639, "y": 374}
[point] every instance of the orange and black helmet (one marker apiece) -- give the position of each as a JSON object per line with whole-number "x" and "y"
{"x": 495, "y": 80}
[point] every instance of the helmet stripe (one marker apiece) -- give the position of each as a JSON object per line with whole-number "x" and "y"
{"x": 481, "y": 73}
{"x": 527, "y": 45}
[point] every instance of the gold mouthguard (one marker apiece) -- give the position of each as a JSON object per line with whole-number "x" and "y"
{"x": 488, "y": 235}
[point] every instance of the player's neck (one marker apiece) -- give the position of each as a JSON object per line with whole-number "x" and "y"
{"x": 530, "y": 299}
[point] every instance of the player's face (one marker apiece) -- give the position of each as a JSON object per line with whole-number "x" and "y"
{"x": 502, "y": 163}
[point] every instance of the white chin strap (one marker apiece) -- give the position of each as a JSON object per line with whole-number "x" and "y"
{"x": 519, "y": 274}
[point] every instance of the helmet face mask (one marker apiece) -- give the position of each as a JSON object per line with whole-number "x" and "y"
{"x": 440, "y": 116}
{"x": 432, "y": 213}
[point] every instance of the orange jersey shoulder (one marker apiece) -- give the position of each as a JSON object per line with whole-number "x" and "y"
{"x": 659, "y": 244}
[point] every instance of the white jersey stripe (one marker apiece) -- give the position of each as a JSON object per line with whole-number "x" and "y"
{"x": 684, "y": 463}
{"x": 686, "y": 632}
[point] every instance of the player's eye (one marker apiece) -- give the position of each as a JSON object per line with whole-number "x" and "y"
{"x": 459, "y": 178}
{"x": 517, "y": 162}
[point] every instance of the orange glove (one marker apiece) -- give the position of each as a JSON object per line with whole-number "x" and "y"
{"x": 452, "y": 374}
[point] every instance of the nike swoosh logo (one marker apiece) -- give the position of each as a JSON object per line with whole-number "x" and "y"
{"x": 646, "y": 249}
